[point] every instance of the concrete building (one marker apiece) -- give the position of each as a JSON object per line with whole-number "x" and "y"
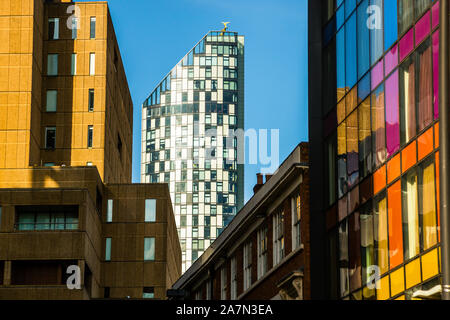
{"x": 374, "y": 149}
{"x": 188, "y": 141}
{"x": 264, "y": 253}
{"x": 66, "y": 196}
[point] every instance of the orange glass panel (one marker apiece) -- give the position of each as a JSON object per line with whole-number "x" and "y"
{"x": 379, "y": 179}
{"x": 436, "y": 135}
{"x": 425, "y": 144}
{"x": 438, "y": 197}
{"x": 341, "y": 111}
{"x": 395, "y": 224}
{"x": 393, "y": 168}
{"x": 409, "y": 156}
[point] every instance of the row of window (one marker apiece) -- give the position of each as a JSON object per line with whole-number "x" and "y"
{"x": 150, "y": 210}
{"x": 261, "y": 252}
{"x": 53, "y": 63}
{"x": 149, "y": 249}
{"x": 52, "y": 100}
{"x": 54, "y": 27}
{"x": 50, "y": 137}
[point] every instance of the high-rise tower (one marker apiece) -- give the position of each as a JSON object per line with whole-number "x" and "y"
{"x": 187, "y": 139}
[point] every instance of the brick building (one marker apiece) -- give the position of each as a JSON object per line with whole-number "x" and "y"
{"x": 264, "y": 252}
{"x": 66, "y": 197}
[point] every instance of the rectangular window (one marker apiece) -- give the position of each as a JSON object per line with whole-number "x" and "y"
{"x": 395, "y": 225}
{"x": 52, "y": 65}
{"x": 381, "y": 234}
{"x": 92, "y": 64}
{"x": 296, "y": 225}
{"x": 110, "y": 210}
{"x": 427, "y": 207}
{"x": 75, "y": 23}
{"x": 150, "y": 210}
{"x": 149, "y": 249}
{"x": 52, "y": 100}
{"x": 53, "y": 28}
{"x": 343, "y": 259}
{"x": 108, "y": 249}
{"x": 410, "y": 215}
{"x": 247, "y": 265}
{"x": 378, "y": 127}
{"x": 46, "y": 218}
{"x": 73, "y": 66}
{"x": 93, "y": 26}
{"x": 91, "y": 100}
{"x": 233, "y": 280}
{"x": 148, "y": 293}
{"x": 278, "y": 237}
{"x": 50, "y": 137}
{"x": 223, "y": 283}
{"x": 366, "y": 219}
{"x": 90, "y": 136}
{"x": 262, "y": 252}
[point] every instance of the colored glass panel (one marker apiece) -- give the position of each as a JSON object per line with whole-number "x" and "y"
{"x": 406, "y": 44}
{"x": 436, "y": 74}
{"x": 390, "y": 60}
{"x": 412, "y": 273}
{"x": 423, "y": 28}
{"x": 430, "y": 265}
{"x": 393, "y": 168}
{"x": 379, "y": 179}
{"x": 425, "y": 143}
{"x": 377, "y": 74}
{"x": 409, "y": 155}
{"x": 395, "y": 225}
{"x": 390, "y": 23}
{"x": 397, "y": 282}
{"x": 381, "y": 234}
{"x": 428, "y": 204}
{"x": 378, "y": 126}
{"x": 392, "y": 115}
{"x": 410, "y": 215}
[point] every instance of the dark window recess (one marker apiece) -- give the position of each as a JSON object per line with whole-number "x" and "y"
{"x": 30, "y": 218}
{"x": 107, "y": 293}
{"x": 50, "y": 138}
{"x": 88, "y": 280}
{"x": 91, "y": 99}
{"x": 90, "y": 136}
{"x": 116, "y": 59}
{"x": 2, "y": 268}
{"x": 40, "y": 272}
{"x": 99, "y": 202}
{"x": 119, "y": 145}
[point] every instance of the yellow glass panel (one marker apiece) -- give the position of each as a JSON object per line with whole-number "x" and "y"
{"x": 342, "y": 139}
{"x": 412, "y": 271}
{"x": 341, "y": 111}
{"x": 381, "y": 237}
{"x": 430, "y": 265}
{"x": 368, "y": 294}
{"x": 429, "y": 208}
{"x": 383, "y": 288}
{"x": 439, "y": 256}
{"x": 397, "y": 282}
{"x": 351, "y": 100}
{"x": 356, "y": 295}
{"x": 401, "y": 298}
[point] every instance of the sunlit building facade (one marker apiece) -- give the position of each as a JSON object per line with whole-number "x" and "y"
{"x": 186, "y": 140}
{"x": 374, "y": 134}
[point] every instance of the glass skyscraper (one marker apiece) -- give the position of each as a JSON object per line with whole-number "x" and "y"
{"x": 374, "y": 134}
{"x": 188, "y": 140}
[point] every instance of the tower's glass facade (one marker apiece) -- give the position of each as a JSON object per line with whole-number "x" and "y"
{"x": 380, "y": 119}
{"x": 189, "y": 141}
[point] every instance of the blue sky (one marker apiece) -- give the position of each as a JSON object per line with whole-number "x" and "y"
{"x": 154, "y": 35}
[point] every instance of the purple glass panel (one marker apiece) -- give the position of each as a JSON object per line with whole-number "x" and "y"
{"x": 436, "y": 74}
{"x": 423, "y": 28}
{"x": 390, "y": 60}
{"x": 435, "y": 15}
{"x": 406, "y": 44}
{"x": 377, "y": 74}
{"x": 392, "y": 117}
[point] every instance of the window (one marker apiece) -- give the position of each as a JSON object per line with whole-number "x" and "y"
{"x": 91, "y": 100}
{"x": 50, "y": 137}
{"x": 416, "y": 111}
{"x": 233, "y": 280}
{"x": 92, "y": 64}
{"x": 53, "y": 28}
{"x": 427, "y": 205}
{"x": 46, "y": 218}
{"x": 75, "y": 23}
{"x": 150, "y": 210}
{"x": 52, "y": 65}
{"x": 278, "y": 237}
{"x": 52, "y": 98}
{"x": 208, "y": 289}
{"x": 296, "y": 225}
{"x": 149, "y": 249}
{"x": 90, "y": 135}
{"x": 73, "y": 67}
{"x": 109, "y": 210}
{"x": 148, "y": 293}
{"x": 93, "y": 25}
{"x": 247, "y": 265}
{"x": 262, "y": 252}
{"x": 410, "y": 215}
{"x": 108, "y": 249}
{"x": 223, "y": 283}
